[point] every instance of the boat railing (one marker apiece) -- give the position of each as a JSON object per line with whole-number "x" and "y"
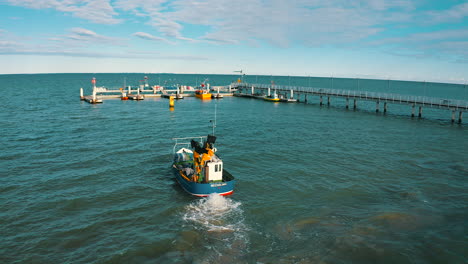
{"x": 186, "y": 141}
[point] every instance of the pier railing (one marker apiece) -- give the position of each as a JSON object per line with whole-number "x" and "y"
{"x": 426, "y": 101}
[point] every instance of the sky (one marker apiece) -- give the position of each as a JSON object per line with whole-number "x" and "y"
{"x": 422, "y": 40}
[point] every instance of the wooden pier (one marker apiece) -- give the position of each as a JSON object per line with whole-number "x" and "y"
{"x": 296, "y": 93}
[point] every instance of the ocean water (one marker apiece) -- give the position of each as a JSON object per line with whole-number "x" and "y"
{"x": 85, "y": 183}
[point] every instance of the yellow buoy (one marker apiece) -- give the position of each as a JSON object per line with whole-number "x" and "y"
{"x": 171, "y": 101}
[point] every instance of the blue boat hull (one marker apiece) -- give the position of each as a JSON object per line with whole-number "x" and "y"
{"x": 226, "y": 187}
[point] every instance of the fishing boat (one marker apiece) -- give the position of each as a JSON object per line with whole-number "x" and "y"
{"x": 199, "y": 170}
{"x": 272, "y": 98}
{"x": 203, "y": 92}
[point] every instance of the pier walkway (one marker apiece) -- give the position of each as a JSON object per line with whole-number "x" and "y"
{"x": 302, "y": 94}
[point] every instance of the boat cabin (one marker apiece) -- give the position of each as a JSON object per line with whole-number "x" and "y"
{"x": 214, "y": 171}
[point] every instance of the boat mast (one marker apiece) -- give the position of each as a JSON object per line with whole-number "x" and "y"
{"x": 213, "y": 122}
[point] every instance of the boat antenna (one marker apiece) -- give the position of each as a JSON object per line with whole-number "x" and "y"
{"x": 213, "y": 122}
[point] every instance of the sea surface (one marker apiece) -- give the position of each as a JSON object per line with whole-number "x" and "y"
{"x": 84, "y": 183}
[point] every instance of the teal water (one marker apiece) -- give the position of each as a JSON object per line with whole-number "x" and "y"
{"x": 85, "y": 183}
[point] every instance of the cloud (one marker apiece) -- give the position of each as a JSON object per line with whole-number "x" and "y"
{"x": 284, "y": 24}
{"x": 84, "y": 33}
{"x": 442, "y": 44}
{"x": 79, "y": 42}
{"x": 136, "y": 5}
{"x": 453, "y": 14}
{"x": 97, "y": 11}
{"x": 280, "y": 23}
{"x": 11, "y": 49}
{"x": 147, "y": 36}
{"x": 5, "y": 44}
{"x": 82, "y": 36}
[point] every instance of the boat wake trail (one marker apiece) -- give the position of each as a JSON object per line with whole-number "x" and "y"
{"x": 215, "y": 213}
{"x": 220, "y": 221}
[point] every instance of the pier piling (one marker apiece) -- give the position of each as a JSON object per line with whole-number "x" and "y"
{"x": 94, "y": 94}
{"x": 355, "y": 104}
{"x": 460, "y": 115}
{"x": 412, "y": 110}
{"x": 347, "y": 103}
{"x": 385, "y": 107}
{"x": 328, "y": 101}
{"x": 377, "y": 106}
{"x": 321, "y": 101}
{"x": 420, "y": 112}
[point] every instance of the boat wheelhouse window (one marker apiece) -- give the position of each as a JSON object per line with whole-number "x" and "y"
{"x": 216, "y": 167}
{"x": 220, "y": 167}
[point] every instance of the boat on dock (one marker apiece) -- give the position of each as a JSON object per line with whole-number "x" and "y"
{"x": 92, "y": 100}
{"x": 288, "y": 100}
{"x": 216, "y": 96}
{"x": 285, "y": 99}
{"x": 203, "y": 94}
{"x": 272, "y": 98}
{"x": 136, "y": 97}
{"x": 199, "y": 170}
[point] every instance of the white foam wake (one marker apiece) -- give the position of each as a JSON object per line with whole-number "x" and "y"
{"x": 215, "y": 213}
{"x": 224, "y": 234}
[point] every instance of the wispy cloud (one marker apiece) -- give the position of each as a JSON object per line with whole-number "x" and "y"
{"x": 453, "y": 14}
{"x": 443, "y": 44}
{"x": 78, "y": 42}
{"x": 397, "y": 27}
{"x": 277, "y": 22}
{"x": 97, "y": 11}
{"x": 147, "y": 36}
{"x": 92, "y": 54}
{"x": 86, "y": 35}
